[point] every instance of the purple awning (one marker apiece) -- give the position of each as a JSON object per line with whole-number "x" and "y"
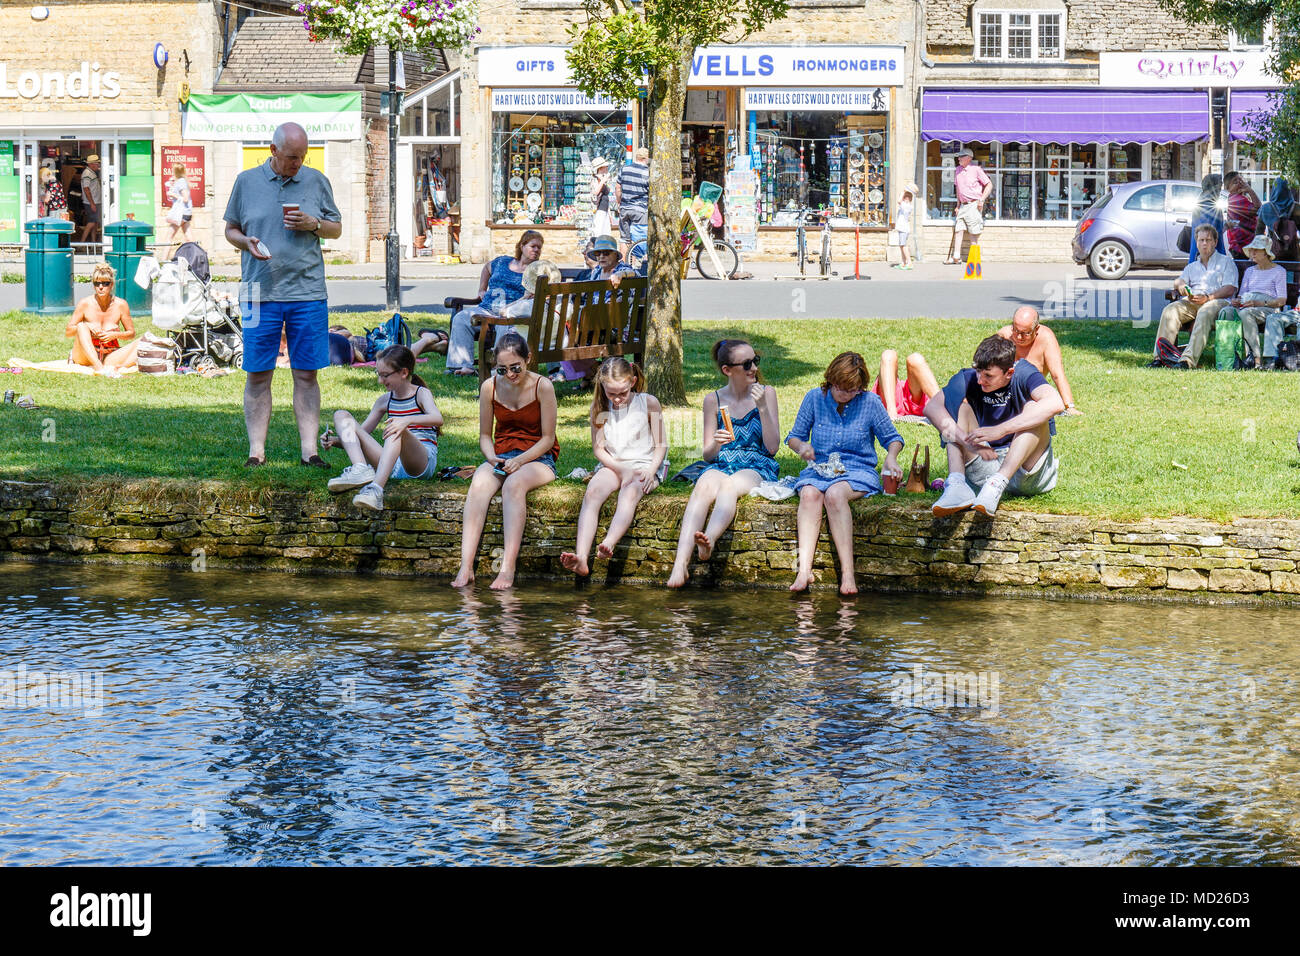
{"x": 1242, "y": 104}
{"x": 1066, "y": 116}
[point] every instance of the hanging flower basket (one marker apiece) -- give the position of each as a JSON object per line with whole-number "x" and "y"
{"x": 354, "y": 26}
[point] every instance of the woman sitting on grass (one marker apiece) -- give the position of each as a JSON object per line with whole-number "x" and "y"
{"x": 741, "y": 435}
{"x": 101, "y": 329}
{"x": 516, "y": 422}
{"x": 844, "y": 420}
{"x": 410, "y": 447}
{"x": 629, "y": 441}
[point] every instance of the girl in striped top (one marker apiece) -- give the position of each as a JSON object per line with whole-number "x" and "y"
{"x": 410, "y": 443}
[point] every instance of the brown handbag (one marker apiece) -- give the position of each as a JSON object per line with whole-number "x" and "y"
{"x": 918, "y": 479}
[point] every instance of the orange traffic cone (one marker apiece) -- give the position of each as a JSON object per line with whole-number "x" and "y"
{"x": 973, "y": 268}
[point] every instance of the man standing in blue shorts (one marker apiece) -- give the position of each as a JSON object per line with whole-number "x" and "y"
{"x": 277, "y": 215}
{"x": 996, "y": 420}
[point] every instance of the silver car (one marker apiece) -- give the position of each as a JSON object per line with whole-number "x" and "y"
{"x": 1135, "y": 224}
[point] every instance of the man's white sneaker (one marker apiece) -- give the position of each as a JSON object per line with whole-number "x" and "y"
{"x": 957, "y": 496}
{"x": 353, "y": 476}
{"x": 986, "y": 502}
{"x": 370, "y": 497}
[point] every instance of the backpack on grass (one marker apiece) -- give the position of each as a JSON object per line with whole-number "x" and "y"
{"x": 393, "y": 332}
{"x": 1167, "y": 353}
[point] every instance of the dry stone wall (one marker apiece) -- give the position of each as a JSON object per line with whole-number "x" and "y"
{"x": 899, "y": 545}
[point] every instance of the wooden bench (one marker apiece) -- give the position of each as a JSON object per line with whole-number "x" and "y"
{"x": 599, "y": 321}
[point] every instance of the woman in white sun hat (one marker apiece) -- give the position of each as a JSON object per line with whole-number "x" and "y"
{"x": 600, "y": 192}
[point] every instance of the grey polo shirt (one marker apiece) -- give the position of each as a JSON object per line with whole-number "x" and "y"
{"x": 296, "y": 270}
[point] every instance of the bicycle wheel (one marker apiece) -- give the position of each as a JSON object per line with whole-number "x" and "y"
{"x": 824, "y": 261}
{"x": 727, "y": 258}
{"x": 637, "y": 257}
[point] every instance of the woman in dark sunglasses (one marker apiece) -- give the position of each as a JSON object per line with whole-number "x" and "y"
{"x": 516, "y": 417}
{"x": 742, "y": 432}
{"x": 103, "y": 336}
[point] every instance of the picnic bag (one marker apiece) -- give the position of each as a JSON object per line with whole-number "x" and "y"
{"x": 393, "y": 332}
{"x": 1288, "y": 356}
{"x": 156, "y": 355}
{"x": 1229, "y": 347}
{"x": 918, "y": 479}
{"x": 1167, "y": 353}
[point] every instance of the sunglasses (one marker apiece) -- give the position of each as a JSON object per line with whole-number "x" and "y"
{"x": 748, "y": 363}
{"x": 98, "y": 283}
{"x": 512, "y": 369}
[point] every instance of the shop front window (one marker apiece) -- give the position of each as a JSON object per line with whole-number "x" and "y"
{"x": 538, "y": 170}
{"x": 821, "y": 160}
{"x": 1255, "y": 163}
{"x": 1174, "y": 161}
{"x": 436, "y": 113}
{"x": 1034, "y": 181}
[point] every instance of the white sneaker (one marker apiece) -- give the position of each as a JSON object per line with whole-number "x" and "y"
{"x": 370, "y": 497}
{"x": 986, "y": 502}
{"x": 957, "y": 496}
{"x": 353, "y": 476}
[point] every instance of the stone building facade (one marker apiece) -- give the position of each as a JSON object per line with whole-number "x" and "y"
{"x": 1012, "y": 63}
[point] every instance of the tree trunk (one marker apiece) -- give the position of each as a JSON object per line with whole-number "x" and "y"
{"x": 663, "y": 359}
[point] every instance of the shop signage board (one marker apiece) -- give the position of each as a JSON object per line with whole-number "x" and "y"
{"x": 244, "y": 117}
{"x": 135, "y": 198}
{"x": 864, "y": 99}
{"x": 742, "y": 211}
{"x": 87, "y": 82}
{"x": 10, "y": 209}
{"x": 788, "y": 66}
{"x": 191, "y": 157}
{"x": 1180, "y": 69}
{"x": 550, "y": 101}
{"x": 138, "y": 156}
{"x": 6, "y": 157}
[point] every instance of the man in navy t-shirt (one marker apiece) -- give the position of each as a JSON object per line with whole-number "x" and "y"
{"x": 996, "y": 420}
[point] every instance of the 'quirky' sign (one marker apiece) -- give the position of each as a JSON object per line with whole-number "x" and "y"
{"x": 1171, "y": 69}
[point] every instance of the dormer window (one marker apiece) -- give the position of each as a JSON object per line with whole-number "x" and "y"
{"x": 1019, "y": 35}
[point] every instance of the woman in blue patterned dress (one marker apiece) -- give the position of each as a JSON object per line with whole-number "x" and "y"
{"x": 739, "y": 458}
{"x": 840, "y": 417}
{"x": 500, "y": 285}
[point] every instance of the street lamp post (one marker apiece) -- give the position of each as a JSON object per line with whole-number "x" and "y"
{"x": 392, "y": 246}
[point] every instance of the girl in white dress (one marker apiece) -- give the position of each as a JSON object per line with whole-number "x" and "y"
{"x": 630, "y": 442}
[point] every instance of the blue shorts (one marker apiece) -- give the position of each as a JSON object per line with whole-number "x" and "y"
{"x": 548, "y": 459}
{"x": 429, "y": 469}
{"x": 307, "y": 325}
{"x": 340, "y": 347}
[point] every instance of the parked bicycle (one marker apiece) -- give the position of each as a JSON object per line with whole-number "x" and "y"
{"x": 728, "y": 257}
{"x": 824, "y": 256}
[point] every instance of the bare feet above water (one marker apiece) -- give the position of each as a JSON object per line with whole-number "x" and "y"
{"x": 677, "y": 579}
{"x": 464, "y": 579}
{"x": 575, "y": 564}
{"x": 604, "y": 551}
{"x": 504, "y": 582}
{"x": 703, "y": 546}
{"x": 801, "y": 581}
{"x": 848, "y": 585}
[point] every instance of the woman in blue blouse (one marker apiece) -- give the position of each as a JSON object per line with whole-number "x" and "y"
{"x": 739, "y": 457}
{"x": 840, "y": 417}
{"x": 501, "y": 284}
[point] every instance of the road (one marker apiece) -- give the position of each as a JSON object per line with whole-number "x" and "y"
{"x": 1058, "y": 290}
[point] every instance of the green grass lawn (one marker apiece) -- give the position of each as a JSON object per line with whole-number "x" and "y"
{"x": 1235, "y": 433}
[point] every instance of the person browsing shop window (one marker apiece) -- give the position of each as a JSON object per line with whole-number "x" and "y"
{"x": 973, "y": 189}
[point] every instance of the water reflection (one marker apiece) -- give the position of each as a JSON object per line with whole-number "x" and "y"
{"x": 267, "y": 719}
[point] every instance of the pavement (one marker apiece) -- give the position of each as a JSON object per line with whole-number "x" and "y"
{"x": 930, "y": 290}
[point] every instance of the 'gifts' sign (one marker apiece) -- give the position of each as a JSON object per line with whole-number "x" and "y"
{"x": 191, "y": 157}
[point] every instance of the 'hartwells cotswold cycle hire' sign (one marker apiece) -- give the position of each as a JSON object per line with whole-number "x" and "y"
{"x": 249, "y": 117}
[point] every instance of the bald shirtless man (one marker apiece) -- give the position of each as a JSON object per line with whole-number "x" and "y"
{"x": 101, "y": 328}
{"x": 1038, "y": 344}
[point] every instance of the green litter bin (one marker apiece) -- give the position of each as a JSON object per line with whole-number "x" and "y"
{"x": 128, "y": 239}
{"x": 49, "y": 266}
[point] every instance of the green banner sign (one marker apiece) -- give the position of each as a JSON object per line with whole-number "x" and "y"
{"x": 136, "y": 198}
{"x": 252, "y": 117}
{"x": 139, "y": 157}
{"x": 10, "y": 210}
{"x": 6, "y": 157}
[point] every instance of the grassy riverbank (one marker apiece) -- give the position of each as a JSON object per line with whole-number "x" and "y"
{"x": 1233, "y": 433}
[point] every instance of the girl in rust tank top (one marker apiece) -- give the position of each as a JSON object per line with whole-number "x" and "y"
{"x": 516, "y": 417}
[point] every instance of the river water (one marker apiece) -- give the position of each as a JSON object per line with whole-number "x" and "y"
{"x": 260, "y": 718}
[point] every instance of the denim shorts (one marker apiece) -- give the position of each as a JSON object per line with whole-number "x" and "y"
{"x": 305, "y": 323}
{"x": 548, "y": 459}
{"x": 429, "y": 469}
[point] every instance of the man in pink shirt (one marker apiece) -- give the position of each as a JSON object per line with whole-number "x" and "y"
{"x": 973, "y": 188}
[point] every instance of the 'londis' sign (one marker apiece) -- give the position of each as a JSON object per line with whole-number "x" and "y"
{"x": 88, "y": 82}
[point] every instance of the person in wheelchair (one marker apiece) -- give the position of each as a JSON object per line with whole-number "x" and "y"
{"x": 500, "y": 286}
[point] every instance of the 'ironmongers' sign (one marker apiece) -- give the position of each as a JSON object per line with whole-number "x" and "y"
{"x": 244, "y": 117}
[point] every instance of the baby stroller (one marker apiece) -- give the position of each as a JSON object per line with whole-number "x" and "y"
{"x": 205, "y": 324}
